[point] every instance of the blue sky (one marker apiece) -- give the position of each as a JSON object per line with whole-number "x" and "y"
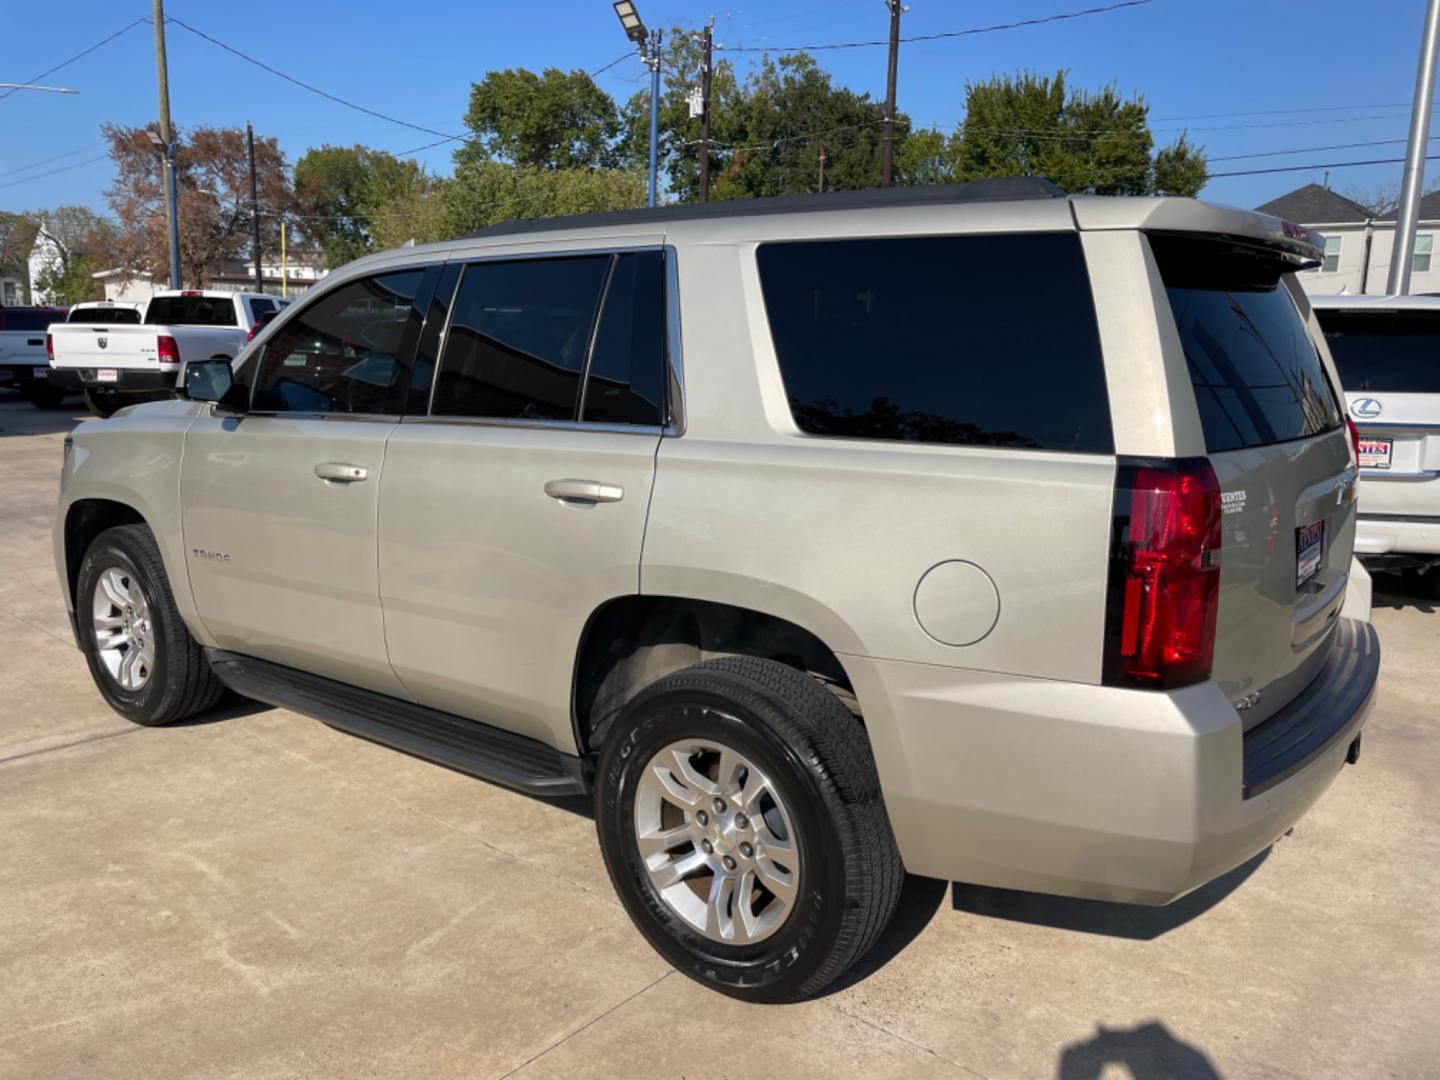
{"x": 416, "y": 61}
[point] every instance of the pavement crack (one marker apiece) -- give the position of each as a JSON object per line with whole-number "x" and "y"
{"x": 901, "y": 1038}
{"x": 589, "y": 1023}
{"x": 66, "y": 746}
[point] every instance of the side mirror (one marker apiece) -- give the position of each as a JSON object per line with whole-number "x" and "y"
{"x": 213, "y": 381}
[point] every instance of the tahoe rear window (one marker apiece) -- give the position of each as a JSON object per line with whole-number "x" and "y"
{"x": 1257, "y": 376}
{"x": 191, "y": 311}
{"x": 1395, "y": 351}
{"x": 968, "y": 340}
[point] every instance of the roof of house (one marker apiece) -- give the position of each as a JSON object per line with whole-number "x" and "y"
{"x": 1315, "y": 205}
{"x": 1429, "y": 208}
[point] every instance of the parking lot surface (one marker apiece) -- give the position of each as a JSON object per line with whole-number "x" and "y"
{"x": 256, "y": 895}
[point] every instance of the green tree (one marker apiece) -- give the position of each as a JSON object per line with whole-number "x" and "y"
{"x": 554, "y": 120}
{"x": 485, "y": 192}
{"x": 79, "y": 238}
{"x": 1097, "y": 143}
{"x": 413, "y": 210}
{"x": 340, "y": 189}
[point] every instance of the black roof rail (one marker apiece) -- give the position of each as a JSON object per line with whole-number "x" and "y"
{"x": 994, "y": 189}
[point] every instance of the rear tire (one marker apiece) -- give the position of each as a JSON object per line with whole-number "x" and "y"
{"x": 42, "y": 395}
{"x": 101, "y": 403}
{"x": 804, "y": 813}
{"x": 141, "y": 655}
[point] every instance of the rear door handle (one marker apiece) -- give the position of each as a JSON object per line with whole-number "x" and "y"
{"x": 590, "y": 491}
{"x": 340, "y": 473}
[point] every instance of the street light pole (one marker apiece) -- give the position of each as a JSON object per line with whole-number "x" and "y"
{"x": 167, "y": 143}
{"x": 1414, "y": 180}
{"x": 653, "y": 59}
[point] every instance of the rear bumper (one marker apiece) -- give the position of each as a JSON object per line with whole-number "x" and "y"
{"x": 78, "y": 378}
{"x": 1397, "y": 535}
{"x": 15, "y": 374}
{"x": 1095, "y": 791}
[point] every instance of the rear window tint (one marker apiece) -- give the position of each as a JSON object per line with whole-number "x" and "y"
{"x": 1398, "y": 352}
{"x": 968, "y": 340}
{"x": 1257, "y": 375}
{"x": 191, "y": 311}
{"x": 116, "y": 316}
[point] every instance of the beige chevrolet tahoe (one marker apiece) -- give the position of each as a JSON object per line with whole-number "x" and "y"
{"x": 977, "y": 531}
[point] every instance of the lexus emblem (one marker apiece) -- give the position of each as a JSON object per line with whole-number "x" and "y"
{"x": 102, "y": 342}
{"x": 1366, "y": 408}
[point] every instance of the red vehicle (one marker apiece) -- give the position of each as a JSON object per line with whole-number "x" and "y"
{"x": 23, "y": 360}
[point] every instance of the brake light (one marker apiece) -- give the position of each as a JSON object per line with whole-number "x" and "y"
{"x": 191, "y": 292}
{"x": 167, "y": 349}
{"x": 1164, "y": 588}
{"x": 1354, "y": 442}
{"x": 50, "y": 347}
{"x": 254, "y": 330}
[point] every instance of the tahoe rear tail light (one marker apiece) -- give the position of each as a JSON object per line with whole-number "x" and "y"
{"x": 167, "y": 349}
{"x": 1164, "y": 586}
{"x": 1354, "y": 442}
{"x": 50, "y": 347}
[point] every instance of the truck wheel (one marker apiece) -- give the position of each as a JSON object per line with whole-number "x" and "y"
{"x": 141, "y": 655}
{"x": 741, "y": 821}
{"x": 42, "y": 395}
{"x": 101, "y": 403}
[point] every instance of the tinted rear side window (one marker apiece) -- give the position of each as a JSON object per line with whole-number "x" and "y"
{"x": 191, "y": 311}
{"x": 518, "y": 339}
{"x": 971, "y": 340}
{"x": 1257, "y": 376}
{"x": 626, "y": 384}
{"x": 31, "y": 320}
{"x": 1394, "y": 351}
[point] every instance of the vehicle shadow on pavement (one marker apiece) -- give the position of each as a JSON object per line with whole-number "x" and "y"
{"x": 920, "y": 899}
{"x": 1394, "y": 594}
{"x": 1130, "y": 921}
{"x": 1148, "y": 1051}
{"x": 22, "y": 418}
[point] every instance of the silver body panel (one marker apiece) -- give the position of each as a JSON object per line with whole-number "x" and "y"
{"x": 449, "y": 576}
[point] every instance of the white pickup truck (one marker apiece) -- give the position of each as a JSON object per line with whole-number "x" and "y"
{"x": 116, "y": 364}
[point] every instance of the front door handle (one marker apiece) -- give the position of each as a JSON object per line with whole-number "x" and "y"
{"x": 586, "y": 491}
{"x": 340, "y": 473}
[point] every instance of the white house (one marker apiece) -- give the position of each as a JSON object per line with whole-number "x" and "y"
{"x": 1358, "y": 245}
{"x": 45, "y": 254}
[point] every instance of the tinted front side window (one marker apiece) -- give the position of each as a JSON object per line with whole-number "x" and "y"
{"x": 518, "y": 338}
{"x": 626, "y": 384}
{"x": 343, "y": 351}
{"x": 191, "y": 311}
{"x": 973, "y": 340}
{"x": 261, "y": 307}
{"x": 30, "y": 320}
{"x": 1391, "y": 351}
{"x": 1258, "y": 377}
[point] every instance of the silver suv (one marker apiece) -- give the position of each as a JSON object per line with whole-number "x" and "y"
{"x": 979, "y": 532}
{"x": 1387, "y": 350}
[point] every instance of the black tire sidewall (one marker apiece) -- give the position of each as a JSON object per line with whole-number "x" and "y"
{"x": 775, "y": 967}
{"x": 101, "y": 402}
{"x": 143, "y": 706}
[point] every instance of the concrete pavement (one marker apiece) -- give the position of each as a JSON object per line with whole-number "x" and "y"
{"x": 256, "y": 895}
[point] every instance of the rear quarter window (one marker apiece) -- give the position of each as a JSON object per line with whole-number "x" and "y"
{"x": 1257, "y": 376}
{"x": 963, "y": 340}
{"x": 1392, "y": 351}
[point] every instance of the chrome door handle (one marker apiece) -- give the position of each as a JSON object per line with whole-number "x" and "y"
{"x": 588, "y": 491}
{"x": 340, "y": 473}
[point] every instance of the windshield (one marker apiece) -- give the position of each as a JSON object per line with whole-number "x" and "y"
{"x": 191, "y": 311}
{"x": 1395, "y": 351}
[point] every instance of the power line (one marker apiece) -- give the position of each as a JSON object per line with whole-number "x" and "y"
{"x": 46, "y": 161}
{"x": 52, "y": 172}
{"x": 307, "y": 86}
{"x": 1312, "y": 149}
{"x": 1016, "y": 25}
{"x": 1282, "y": 112}
{"x": 77, "y": 56}
{"x": 601, "y": 70}
{"x": 1318, "y": 165}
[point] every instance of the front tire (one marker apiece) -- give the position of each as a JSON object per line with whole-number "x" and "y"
{"x": 141, "y": 655}
{"x": 741, "y": 821}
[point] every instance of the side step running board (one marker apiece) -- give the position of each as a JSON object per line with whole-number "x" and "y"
{"x": 466, "y": 746}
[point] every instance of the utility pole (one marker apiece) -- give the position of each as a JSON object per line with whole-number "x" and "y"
{"x": 254, "y": 208}
{"x": 167, "y": 143}
{"x": 653, "y": 59}
{"x": 887, "y": 169}
{"x": 821, "y": 188}
{"x": 705, "y": 115}
{"x": 1406, "y": 220}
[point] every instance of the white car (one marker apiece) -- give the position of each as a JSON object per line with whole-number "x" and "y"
{"x": 1387, "y": 350}
{"x": 117, "y": 364}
